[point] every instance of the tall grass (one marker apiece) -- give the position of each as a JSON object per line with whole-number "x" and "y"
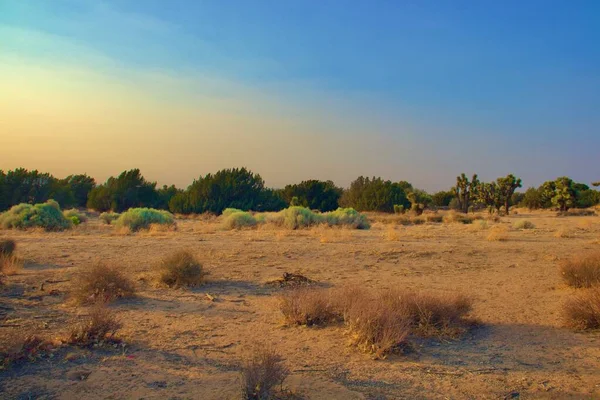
{"x": 46, "y": 215}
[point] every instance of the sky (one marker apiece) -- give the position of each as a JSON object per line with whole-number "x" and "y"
{"x": 294, "y": 90}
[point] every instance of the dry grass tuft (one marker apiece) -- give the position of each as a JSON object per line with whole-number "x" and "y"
{"x": 523, "y": 224}
{"x": 582, "y": 311}
{"x": 479, "y": 225}
{"x": 498, "y": 233}
{"x": 100, "y": 327}
{"x": 391, "y": 234}
{"x": 262, "y": 372}
{"x": 581, "y": 272}
{"x": 9, "y": 265}
{"x": 376, "y": 325}
{"x": 7, "y": 247}
{"x": 101, "y": 283}
{"x": 437, "y": 315}
{"x": 307, "y": 306}
{"x": 577, "y": 212}
{"x": 452, "y": 217}
{"x": 181, "y": 269}
{"x": 563, "y": 233}
{"x": 29, "y": 348}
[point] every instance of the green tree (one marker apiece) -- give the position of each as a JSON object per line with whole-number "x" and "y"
{"x": 561, "y": 192}
{"x": 442, "y": 198}
{"x": 376, "y": 194}
{"x": 314, "y": 194}
{"x": 129, "y": 189}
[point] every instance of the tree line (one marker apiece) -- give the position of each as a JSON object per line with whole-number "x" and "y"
{"x": 241, "y": 188}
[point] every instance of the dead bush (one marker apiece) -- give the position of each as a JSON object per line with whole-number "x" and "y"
{"x": 100, "y": 327}
{"x": 101, "y": 283}
{"x": 437, "y": 315}
{"x": 262, "y": 372}
{"x": 452, "y": 217}
{"x": 27, "y": 348}
{"x": 582, "y": 311}
{"x": 377, "y": 326}
{"x": 498, "y": 233}
{"x": 581, "y": 272}
{"x": 181, "y": 269}
{"x": 7, "y": 247}
{"x": 307, "y": 306}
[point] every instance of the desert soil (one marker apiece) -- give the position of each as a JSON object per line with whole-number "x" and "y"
{"x": 181, "y": 345}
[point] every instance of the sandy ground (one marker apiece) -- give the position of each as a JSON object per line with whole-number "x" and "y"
{"x": 181, "y": 345}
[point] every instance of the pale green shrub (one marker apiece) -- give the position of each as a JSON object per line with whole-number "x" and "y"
{"x": 43, "y": 215}
{"x": 109, "y": 217}
{"x": 141, "y": 218}
{"x": 74, "y": 215}
{"x": 237, "y": 219}
{"x": 299, "y": 217}
{"x": 349, "y": 217}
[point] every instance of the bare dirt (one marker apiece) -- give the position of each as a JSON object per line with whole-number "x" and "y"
{"x": 181, "y": 344}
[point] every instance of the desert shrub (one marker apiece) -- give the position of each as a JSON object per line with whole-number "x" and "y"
{"x": 581, "y": 272}
{"x": 141, "y": 218}
{"x": 75, "y": 215}
{"x": 376, "y": 325}
{"x": 44, "y": 215}
{"x": 262, "y": 372}
{"x": 582, "y": 311}
{"x": 180, "y": 269}
{"x": 30, "y": 347}
{"x": 523, "y": 224}
{"x": 9, "y": 265}
{"x": 435, "y": 315}
{"x": 109, "y": 217}
{"x": 480, "y": 225}
{"x": 434, "y": 217}
{"x": 347, "y": 217}
{"x": 307, "y": 306}
{"x": 7, "y": 247}
{"x": 101, "y": 283}
{"x": 100, "y": 327}
{"x": 399, "y": 209}
{"x": 498, "y": 233}
{"x": 298, "y": 217}
{"x": 455, "y": 217}
{"x": 577, "y": 212}
{"x": 237, "y": 219}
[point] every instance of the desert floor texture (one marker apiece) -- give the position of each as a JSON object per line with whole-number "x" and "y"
{"x": 180, "y": 344}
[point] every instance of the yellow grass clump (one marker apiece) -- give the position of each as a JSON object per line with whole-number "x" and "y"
{"x": 581, "y": 272}
{"x": 497, "y": 233}
{"x": 582, "y": 311}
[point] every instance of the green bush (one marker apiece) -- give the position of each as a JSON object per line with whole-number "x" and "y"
{"x": 109, "y": 217}
{"x": 298, "y": 217}
{"x": 141, "y": 218}
{"x": 398, "y": 209}
{"x": 44, "y": 215}
{"x": 74, "y": 215}
{"x": 349, "y": 217}
{"x": 237, "y": 219}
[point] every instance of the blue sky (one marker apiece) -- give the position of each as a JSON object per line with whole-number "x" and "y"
{"x": 419, "y": 90}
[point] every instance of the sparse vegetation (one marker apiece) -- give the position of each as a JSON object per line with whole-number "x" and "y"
{"x": 237, "y": 219}
{"x": 582, "y": 310}
{"x": 181, "y": 269}
{"x": 101, "y": 283}
{"x": 75, "y": 216}
{"x": 98, "y": 328}
{"x": 523, "y": 224}
{"x": 109, "y": 217}
{"x": 307, "y": 306}
{"x": 454, "y": 217}
{"x": 581, "y": 272}
{"x": 43, "y": 215}
{"x": 262, "y": 372}
{"x": 27, "y": 348}
{"x": 7, "y": 247}
{"x": 497, "y": 233}
{"x": 141, "y": 218}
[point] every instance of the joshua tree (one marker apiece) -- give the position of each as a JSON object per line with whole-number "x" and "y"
{"x": 465, "y": 190}
{"x": 507, "y": 186}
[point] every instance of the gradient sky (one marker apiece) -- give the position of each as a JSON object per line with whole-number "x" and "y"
{"x": 407, "y": 90}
